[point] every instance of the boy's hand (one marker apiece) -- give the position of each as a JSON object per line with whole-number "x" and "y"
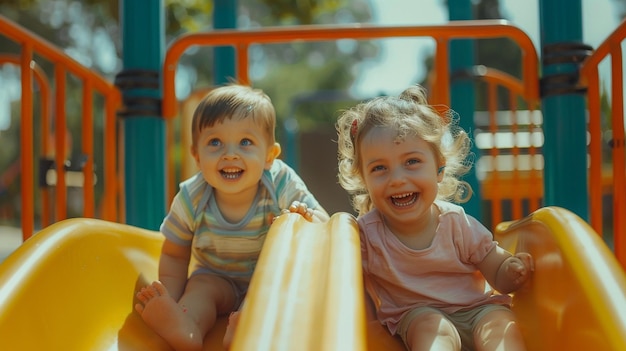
{"x": 301, "y": 208}
{"x": 311, "y": 215}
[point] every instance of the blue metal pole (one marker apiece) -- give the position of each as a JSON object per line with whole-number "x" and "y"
{"x": 143, "y": 38}
{"x": 224, "y": 17}
{"x": 462, "y": 95}
{"x": 563, "y": 107}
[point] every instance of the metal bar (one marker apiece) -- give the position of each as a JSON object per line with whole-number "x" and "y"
{"x": 87, "y": 146}
{"x": 26, "y": 137}
{"x": 619, "y": 167}
{"x": 60, "y": 143}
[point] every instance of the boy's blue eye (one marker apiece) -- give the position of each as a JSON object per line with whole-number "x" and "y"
{"x": 378, "y": 168}
{"x": 214, "y": 142}
{"x": 246, "y": 142}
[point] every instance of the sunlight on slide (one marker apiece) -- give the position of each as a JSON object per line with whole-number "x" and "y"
{"x": 72, "y": 287}
{"x": 576, "y": 299}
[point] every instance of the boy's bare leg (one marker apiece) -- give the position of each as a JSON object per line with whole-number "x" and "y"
{"x": 163, "y": 315}
{"x": 499, "y": 331}
{"x": 233, "y": 321}
{"x": 184, "y": 324}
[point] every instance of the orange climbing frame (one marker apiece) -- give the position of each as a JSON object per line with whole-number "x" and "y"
{"x": 442, "y": 34}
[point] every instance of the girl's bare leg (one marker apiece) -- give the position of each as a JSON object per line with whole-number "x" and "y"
{"x": 432, "y": 331}
{"x": 499, "y": 331}
{"x": 183, "y": 324}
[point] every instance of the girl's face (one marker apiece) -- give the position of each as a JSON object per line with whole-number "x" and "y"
{"x": 233, "y": 154}
{"x": 400, "y": 176}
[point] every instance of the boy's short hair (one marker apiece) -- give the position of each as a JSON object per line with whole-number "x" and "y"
{"x": 233, "y": 101}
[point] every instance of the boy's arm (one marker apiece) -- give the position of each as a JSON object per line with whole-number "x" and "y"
{"x": 173, "y": 267}
{"x": 505, "y": 272}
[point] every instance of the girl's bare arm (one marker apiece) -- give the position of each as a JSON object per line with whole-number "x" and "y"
{"x": 506, "y": 272}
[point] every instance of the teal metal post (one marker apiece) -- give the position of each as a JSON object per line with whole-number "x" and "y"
{"x": 462, "y": 96}
{"x": 143, "y": 37}
{"x": 563, "y": 108}
{"x": 224, "y": 17}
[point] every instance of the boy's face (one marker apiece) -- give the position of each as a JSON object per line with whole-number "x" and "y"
{"x": 400, "y": 176}
{"x": 233, "y": 154}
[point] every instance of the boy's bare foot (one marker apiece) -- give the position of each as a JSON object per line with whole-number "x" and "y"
{"x": 164, "y": 316}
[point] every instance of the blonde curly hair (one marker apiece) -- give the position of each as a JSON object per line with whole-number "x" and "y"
{"x": 410, "y": 115}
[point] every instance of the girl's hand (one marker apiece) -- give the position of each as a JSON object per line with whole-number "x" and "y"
{"x": 518, "y": 267}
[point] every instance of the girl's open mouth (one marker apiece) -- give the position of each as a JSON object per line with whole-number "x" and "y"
{"x": 404, "y": 200}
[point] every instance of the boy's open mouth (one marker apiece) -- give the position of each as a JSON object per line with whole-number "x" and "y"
{"x": 231, "y": 173}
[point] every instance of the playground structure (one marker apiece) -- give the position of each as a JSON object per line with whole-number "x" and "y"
{"x": 113, "y": 205}
{"x": 547, "y": 299}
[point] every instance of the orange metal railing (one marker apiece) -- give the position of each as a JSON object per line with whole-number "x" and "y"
{"x": 31, "y": 45}
{"x": 520, "y": 187}
{"x": 45, "y": 103}
{"x": 590, "y": 77}
{"x": 442, "y": 34}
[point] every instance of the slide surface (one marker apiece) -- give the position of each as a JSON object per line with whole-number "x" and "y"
{"x": 576, "y": 299}
{"x": 72, "y": 287}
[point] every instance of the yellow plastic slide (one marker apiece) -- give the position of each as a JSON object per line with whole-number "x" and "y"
{"x": 72, "y": 287}
{"x": 305, "y": 294}
{"x": 576, "y": 299}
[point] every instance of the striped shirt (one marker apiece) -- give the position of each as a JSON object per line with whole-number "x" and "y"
{"x": 224, "y": 248}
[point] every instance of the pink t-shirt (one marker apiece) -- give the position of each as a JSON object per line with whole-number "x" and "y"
{"x": 443, "y": 276}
